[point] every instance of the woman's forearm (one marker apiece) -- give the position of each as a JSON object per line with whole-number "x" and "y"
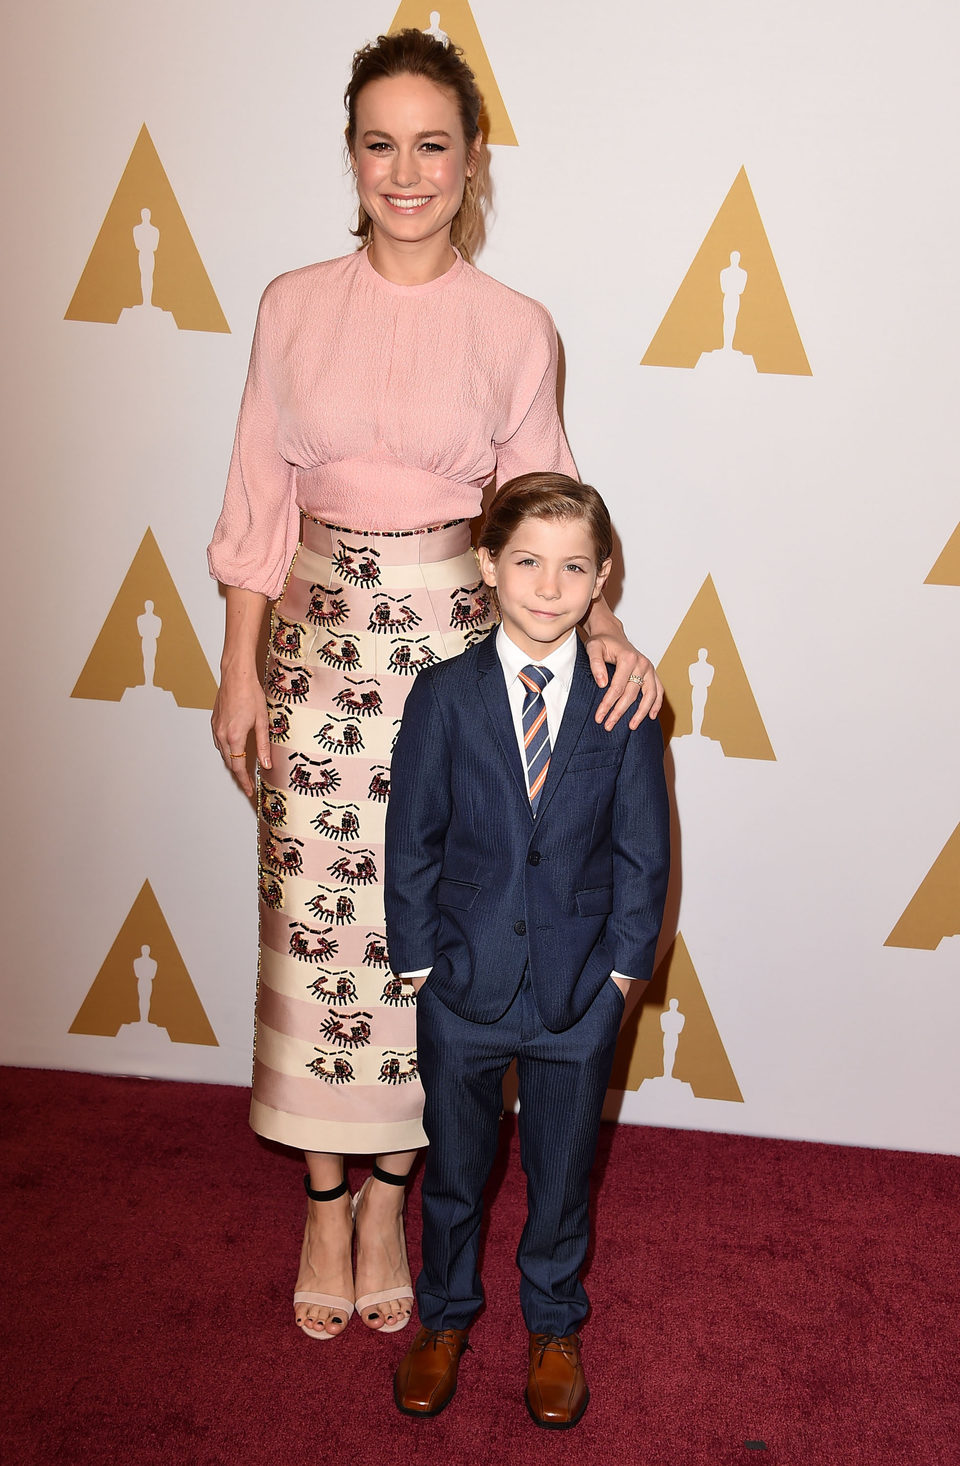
{"x": 244, "y": 617}
{"x": 601, "y": 620}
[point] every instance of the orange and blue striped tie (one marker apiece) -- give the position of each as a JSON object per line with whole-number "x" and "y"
{"x": 536, "y": 735}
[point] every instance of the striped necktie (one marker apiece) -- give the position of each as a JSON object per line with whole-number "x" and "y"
{"x": 536, "y": 735}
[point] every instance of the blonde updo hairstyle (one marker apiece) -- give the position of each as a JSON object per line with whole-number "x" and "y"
{"x": 414, "y": 53}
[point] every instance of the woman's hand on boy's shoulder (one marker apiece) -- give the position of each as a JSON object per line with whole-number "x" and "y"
{"x": 634, "y": 676}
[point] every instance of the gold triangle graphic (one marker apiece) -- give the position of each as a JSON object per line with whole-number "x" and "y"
{"x": 113, "y": 279}
{"x": 146, "y": 620}
{"x": 144, "y": 971}
{"x": 692, "y": 331}
{"x": 454, "y": 18}
{"x": 701, "y": 1060}
{"x": 947, "y": 569}
{"x": 934, "y": 912}
{"x": 712, "y": 687}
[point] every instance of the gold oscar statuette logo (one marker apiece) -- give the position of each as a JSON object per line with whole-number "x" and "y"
{"x": 454, "y": 21}
{"x": 934, "y": 911}
{"x": 731, "y": 313}
{"x": 671, "y": 1042}
{"x": 143, "y": 987}
{"x": 709, "y": 704}
{"x": 144, "y": 268}
{"x": 947, "y": 569}
{"x": 147, "y": 650}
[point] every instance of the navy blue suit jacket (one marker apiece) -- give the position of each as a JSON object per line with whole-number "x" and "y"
{"x": 476, "y": 887}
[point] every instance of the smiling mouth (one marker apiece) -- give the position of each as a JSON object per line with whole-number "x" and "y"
{"x": 407, "y": 205}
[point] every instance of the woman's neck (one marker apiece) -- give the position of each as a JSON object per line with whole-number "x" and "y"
{"x": 416, "y": 263}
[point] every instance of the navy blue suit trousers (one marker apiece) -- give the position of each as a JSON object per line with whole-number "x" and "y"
{"x": 562, "y": 1081}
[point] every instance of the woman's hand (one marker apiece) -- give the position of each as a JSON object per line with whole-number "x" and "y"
{"x": 634, "y": 676}
{"x": 241, "y": 704}
{"x": 239, "y": 709}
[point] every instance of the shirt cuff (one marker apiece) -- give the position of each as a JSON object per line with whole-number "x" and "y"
{"x": 423, "y": 972}
{"x": 624, "y": 975}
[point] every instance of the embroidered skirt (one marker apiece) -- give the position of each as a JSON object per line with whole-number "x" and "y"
{"x": 335, "y": 1065}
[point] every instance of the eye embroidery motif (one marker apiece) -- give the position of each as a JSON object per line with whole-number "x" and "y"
{"x": 308, "y": 944}
{"x": 278, "y": 723}
{"x": 352, "y": 1031}
{"x": 282, "y": 853}
{"x": 338, "y": 821}
{"x": 471, "y": 606}
{"x": 336, "y": 988}
{"x": 398, "y": 1067}
{"x": 313, "y": 776}
{"x": 287, "y": 685}
{"x": 334, "y": 1068}
{"x": 358, "y": 869}
{"x": 390, "y": 614}
{"x": 271, "y": 890}
{"x": 410, "y": 657}
{"x": 287, "y": 638}
{"x": 342, "y": 652}
{"x": 367, "y": 704}
{"x": 379, "y": 789}
{"x": 326, "y": 608}
{"x": 375, "y": 952}
{"x": 340, "y": 735}
{"x": 331, "y": 905}
{"x": 397, "y": 994}
{"x": 357, "y": 564}
{"x": 273, "y": 806}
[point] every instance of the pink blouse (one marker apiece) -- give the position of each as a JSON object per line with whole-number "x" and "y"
{"x": 379, "y": 406}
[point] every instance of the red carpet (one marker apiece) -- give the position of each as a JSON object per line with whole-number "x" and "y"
{"x": 744, "y": 1291}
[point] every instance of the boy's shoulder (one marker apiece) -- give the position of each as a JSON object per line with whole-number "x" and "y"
{"x": 450, "y": 675}
{"x": 647, "y": 738}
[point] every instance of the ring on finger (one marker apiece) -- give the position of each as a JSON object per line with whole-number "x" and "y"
{"x": 236, "y": 755}
{"x": 635, "y": 678}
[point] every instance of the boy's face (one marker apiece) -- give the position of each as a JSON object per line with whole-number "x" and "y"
{"x": 546, "y": 577}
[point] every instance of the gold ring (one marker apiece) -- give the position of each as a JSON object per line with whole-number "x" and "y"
{"x": 634, "y": 678}
{"x": 236, "y": 755}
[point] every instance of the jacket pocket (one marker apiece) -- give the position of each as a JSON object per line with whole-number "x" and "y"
{"x": 458, "y": 894}
{"x": 595, "y": 902}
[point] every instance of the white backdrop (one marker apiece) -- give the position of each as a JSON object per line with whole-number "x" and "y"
{"x": 817, "y": 503}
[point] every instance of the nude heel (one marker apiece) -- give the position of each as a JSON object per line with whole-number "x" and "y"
{"x": 326, "y": 1300}
{"x": 369, "y": 1299}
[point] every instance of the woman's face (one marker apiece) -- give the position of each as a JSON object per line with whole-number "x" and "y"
{"x": 410, "y": 156}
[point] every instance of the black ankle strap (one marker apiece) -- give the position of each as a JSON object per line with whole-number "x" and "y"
{"x": 381, "y": 1175}
{"x": 330, "y": 1195}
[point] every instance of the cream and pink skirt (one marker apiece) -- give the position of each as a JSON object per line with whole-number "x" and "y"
{"x": 335, "y": 1066}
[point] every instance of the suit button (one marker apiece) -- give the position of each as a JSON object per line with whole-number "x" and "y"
{"x": 520, "y": 927}
{"x": 534, "y": 857}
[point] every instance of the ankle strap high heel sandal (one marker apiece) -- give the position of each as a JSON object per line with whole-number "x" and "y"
{"x": 325, "y": 1300}
{"x": 369, "y": 1302}
{"x": 331, "y": 1195}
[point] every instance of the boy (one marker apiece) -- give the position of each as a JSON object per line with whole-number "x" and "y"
{"x": 526, "y": 870}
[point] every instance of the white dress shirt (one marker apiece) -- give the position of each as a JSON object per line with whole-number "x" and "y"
{"x": 561, "y": 663}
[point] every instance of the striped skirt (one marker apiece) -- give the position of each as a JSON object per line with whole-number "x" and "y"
{"x": 335, "y": 1065}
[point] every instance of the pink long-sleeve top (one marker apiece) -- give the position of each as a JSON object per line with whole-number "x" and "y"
{"x": 379, "y": 406}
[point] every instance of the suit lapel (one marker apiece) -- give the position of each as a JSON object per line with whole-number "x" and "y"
{"x": 582, "y": 700}
{"x": 493, "y": 691}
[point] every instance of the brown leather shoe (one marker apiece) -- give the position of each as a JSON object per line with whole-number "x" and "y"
{"x": 557, "y": 1393}
{"x": 427, "y": 1377}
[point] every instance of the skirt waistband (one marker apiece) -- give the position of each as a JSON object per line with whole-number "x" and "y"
{"x": 388, "y": 547}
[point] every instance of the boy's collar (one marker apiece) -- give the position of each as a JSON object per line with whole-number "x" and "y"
{"x": 561, "y": 661}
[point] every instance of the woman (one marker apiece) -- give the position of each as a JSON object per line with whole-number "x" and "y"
{"x": 385, "y": 390}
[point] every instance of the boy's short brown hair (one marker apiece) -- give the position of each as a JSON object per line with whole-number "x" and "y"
{"x": 546, "y": 496}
